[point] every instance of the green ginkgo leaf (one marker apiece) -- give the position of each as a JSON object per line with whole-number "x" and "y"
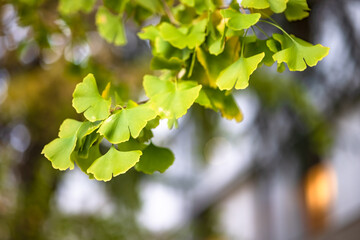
{"x": 213, "y": 65}
{"x": 171, "y": 100}
{"x": 67, "y": 7}
{"x": 149, "y": 33}
{"x": 115, "y": 5}
{"x": 276, "y": 6}
{"x": 59, "y": 150}
{"x": 200, "y": 5}
{"x": 220, "y": 101}
{"x": 183, "y": 37}
{"x": 238, "y": 73}
{"x": 130, "y": 121}
{"x": 151, "y": 5}
{"x": 239, "y": 21}
{"x": 298, "y": 53}
{"x": 155, "y": 159}
{"x": 87, "y": 99}
{"x": 110, "y": 26}
{"x": 84, "y": 162}
{"x": 69, "y": 127}
{"x": 72, "y": 136}
{"x": 113, "y": 163}
{"x": 296, "y": 10}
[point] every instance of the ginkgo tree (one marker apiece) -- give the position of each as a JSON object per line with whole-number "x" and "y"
{"x": 203, "y": 51}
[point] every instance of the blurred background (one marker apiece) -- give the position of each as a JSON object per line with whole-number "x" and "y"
{"x": 289, "y": 171}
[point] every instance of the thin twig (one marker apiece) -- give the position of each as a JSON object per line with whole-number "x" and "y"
{"x": 242, "y": 10}
{"x": 169, "y": 14}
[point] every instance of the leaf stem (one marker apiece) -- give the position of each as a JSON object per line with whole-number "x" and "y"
{"x": 262, "y": 31}
{"x": 169, "y": 14}
{"x": 243, "y": 43}
{"x": 278, "y": 27}
{"x": 192, "y": 64}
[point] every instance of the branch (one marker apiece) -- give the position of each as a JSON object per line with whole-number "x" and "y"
{"x": 169, "y": 14}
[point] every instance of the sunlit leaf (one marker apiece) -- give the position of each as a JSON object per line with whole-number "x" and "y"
{"x": 72, "y": 6}
{"x": 276, "y": 6}
{"x": 240, "y": 21}
{"x": 183, "y": 37}
{"x": 151, "y": 5}
{"x": 155, "y": 159}
{"x": 298, "y": 53}
{"x": 119, "y": 126}
{"x": 69, "y": 127}
{"x": 87, "y": 99}
{"x": 84, "y": 162}
{"x": 200, "y": 5}
{"x": 113, "y": 163}
{"x": 238, "y": 73}
{"x": 296, "y": 10}
{"x": 213, "y": 65}
{"x": 59, "y": 151}
{"x": 110, "y": 26}
{"x": 220, "y": 101}
{"x": 171, "y": 100}
{"x": 115, "y": 5}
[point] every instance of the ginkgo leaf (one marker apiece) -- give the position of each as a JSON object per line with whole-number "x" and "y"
{"x": 115, "y": 5}
{"x": 110, "y": 26}
{"x": 296, "y": 10}
{"x": 257, "y": 47}
{"x": 200, "y": 5}
{"x": 87, "y": 143}
{"x": 238, "y": 73}
{"x": 213, "y": 65}
{"x": 149, "y": 33}
{"x": 239, "y": 21}
{"x": 71, "y": 135}
{"x": 183, "y": 37}
{"x": 151, "y": 5}
{"x": 67, "y": 7}
{"x": 69, "y": 127}
{"x": 298, "y": 53}
{"x": 119, "y": 126}
{"x": 171, "y": 100}
{"x": 84, "y": 162}
{"x": 87, "y": 99}
{"x": 59, "y": 151}
{"x": 155, "y": 159}
{"x": 220, "y": 101}
{"x": 113, "y": 163}
{"x": 276, "y": 6}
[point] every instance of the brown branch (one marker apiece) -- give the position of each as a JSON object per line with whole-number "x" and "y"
{"x": 169, "y": 14}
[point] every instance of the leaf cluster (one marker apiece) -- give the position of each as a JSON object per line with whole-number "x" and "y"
{"x": 202, "y": 50}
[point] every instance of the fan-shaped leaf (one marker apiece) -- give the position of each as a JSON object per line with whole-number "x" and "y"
{"x": 183, "y": 37}
{"x": 86, "y": 98}
{"x": 155, "y": 159}
{"x": 113, "y": 163}
{"x": 296, "y": 10}
{"x": 110, "y": 26}
{"x": 200, "y": 5}
{"x": 238, "y": 21}
{"x": 118, "y": 127}
{"x": 220, "y": 101}
{"x": 238, "y": 73}
{"x": 297, "y": 53}
{"x": 276, "y": 6}
{"x": 70, "y": 6}
{"x": 171, "y": 100}
{"x": 59, "y": 150}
